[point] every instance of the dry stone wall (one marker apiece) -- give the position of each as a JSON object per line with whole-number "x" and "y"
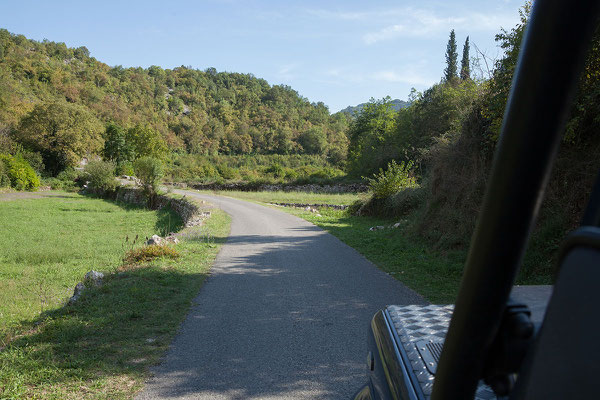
{"x": 314, "y": 188}
{"x": 188, "y": 210}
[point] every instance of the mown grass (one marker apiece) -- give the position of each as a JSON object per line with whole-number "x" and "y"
{"x": 292, "y": 197}
{"x": 100, "y": 347}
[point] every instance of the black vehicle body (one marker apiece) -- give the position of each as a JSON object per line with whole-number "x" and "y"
{"x": 488, "y": 345}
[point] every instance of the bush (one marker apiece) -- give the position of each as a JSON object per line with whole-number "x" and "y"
{"x": 276, "y": 170}
{"x": 101, "y": 176}
{"x": 392, "y": 180}
{"x": 125, "y": 168}
{"x": 150, "y": 171}
{"x": 69, "y": 175}
{"x": 19, "y": 172}
{"x": 227, "y": 173}
{"x": 4, "y": 178}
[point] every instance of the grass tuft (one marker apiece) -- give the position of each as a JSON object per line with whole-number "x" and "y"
{"x": 148, "y": 253}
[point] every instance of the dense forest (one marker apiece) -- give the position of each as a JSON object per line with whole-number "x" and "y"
{"x": 46, "y": 85}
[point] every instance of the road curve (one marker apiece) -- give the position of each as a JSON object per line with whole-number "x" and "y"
{"x": 283, "y": 315}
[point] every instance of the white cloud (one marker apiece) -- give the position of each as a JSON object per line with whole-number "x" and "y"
{"x": 422, "y": 22}
{"x": 407, "y": 76}
{"x": 287, "y": 71}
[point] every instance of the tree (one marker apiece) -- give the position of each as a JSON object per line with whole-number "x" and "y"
{"x": 465, "y": 72}
{"x": 101, "y": 176}
{"x": 313, "y": 141}
{"x": 62, "y": 133}
{"x": 146, "y": 142}
{"x": 116, "y": 146}
{"x": 499, "y": 87}
{"x": 370, "y": 134}
{"x": 150, "y": 171}
{"x": 451, "y": 58}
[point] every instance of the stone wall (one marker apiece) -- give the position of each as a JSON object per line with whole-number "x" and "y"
{"x": 312, "y": 188}
{"x": 188, "y": 210}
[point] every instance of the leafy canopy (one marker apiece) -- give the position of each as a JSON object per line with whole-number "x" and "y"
{"x": 62, "y": 133}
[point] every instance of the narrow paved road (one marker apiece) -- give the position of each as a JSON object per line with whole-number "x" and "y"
{"x": 284, "y": 315}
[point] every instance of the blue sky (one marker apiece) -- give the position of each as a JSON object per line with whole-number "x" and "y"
{"x": 338, "y": 52}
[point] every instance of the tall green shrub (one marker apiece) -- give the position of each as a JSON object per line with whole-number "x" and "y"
{"x": 149, "y": 171}
{"x": 101, "y": 176}
{"x": 19, "y": 172}
{"x": 395, "y": 178}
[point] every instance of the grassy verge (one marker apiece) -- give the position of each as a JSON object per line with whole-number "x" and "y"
{"x": 292, "y": 197}
{"x": 100, "y": 347}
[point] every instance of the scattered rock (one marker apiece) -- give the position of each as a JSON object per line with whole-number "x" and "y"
{"x": 155, "y": 239}
{"x": 396, "y": 225}
{"x": 171, "y": 238}
{"x": 376, "y": 228}
{"x": 79, "y": 289}
{"x": 314, "y": 206}
{"x": 311, "y": 209}
{"x": 198, "y": 219}
{"x": 94, "y": 278}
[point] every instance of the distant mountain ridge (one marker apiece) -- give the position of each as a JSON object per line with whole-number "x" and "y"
{"x": 397, "y": 104}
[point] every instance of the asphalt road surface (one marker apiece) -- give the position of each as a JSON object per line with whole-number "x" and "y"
{"x": 283, "y": 315}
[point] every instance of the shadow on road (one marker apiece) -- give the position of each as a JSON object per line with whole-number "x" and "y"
{"x": 282, "y": 316}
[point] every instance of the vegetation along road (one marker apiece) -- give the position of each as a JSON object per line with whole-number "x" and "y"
{"x": 284, "y": 314}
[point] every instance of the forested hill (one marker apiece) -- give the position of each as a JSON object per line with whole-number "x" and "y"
{"x": 395, "y": 105}
{"x": 195, "y": 111}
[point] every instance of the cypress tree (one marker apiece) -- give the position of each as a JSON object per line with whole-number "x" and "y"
{"x": 465, "y": 72}
{"x": 451, "y": 58}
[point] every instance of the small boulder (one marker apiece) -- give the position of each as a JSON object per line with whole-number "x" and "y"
{"x": 79, "y": 288}
{"x": 172, "y": 239}
{"x": 93, "y": 278}
{"x": 396, "y": 225}
{"x": 155, "y": 239}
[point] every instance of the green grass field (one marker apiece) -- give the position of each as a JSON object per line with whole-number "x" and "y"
{"x": 292, "y": 197}
{"x": 100, "y": 347}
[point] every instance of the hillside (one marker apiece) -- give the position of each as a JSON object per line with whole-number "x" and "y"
{"x": 199, "y": 112}
{"x": 395, "y": 105}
